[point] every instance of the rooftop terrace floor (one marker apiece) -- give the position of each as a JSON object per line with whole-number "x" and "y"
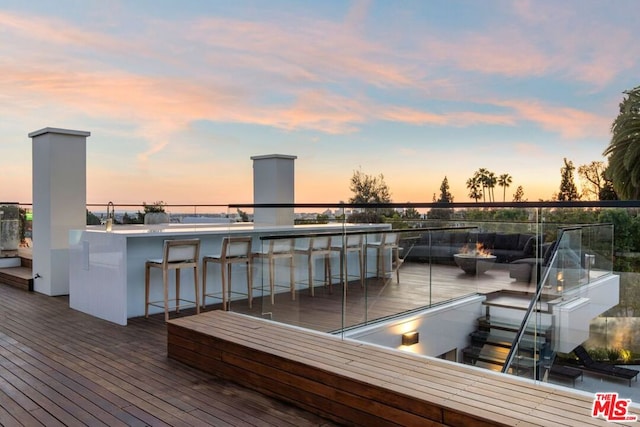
{"x": 62, "y": 367}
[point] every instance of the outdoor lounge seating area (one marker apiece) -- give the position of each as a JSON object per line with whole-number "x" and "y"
{"x": 441, "y": 246}
{"x": 588, "y": 364}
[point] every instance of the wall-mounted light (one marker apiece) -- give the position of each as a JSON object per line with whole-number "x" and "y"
{"x": 560, "y": 282}
{"x": 410, "y": 338}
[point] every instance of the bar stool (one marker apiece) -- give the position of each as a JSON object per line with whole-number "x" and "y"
{"x": 234, "y": 250}
{"x": 388, "y": 243}
{"x": 317, "y": 246}
{"x": 352, "y": 243}
{"x": 176, "y": 254}
{"x": 278, "y": 249}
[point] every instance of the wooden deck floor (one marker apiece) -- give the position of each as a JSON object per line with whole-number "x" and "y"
{"x": 61, "y": 367}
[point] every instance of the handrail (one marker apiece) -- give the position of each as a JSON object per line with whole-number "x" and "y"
{"x": 455, "y": 205}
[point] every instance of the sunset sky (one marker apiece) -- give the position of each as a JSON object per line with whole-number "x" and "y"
{"x": 178, "y": 95}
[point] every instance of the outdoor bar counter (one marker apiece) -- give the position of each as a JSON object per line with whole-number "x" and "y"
{"x": 106, "y": 269}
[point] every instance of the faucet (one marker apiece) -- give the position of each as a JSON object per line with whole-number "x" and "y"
{"x": 110, "y": 214}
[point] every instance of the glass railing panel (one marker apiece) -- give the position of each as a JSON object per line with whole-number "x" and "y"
{"x": 567, "y": 298}
{"x": 392, "y": 283}
{"x": 26, "y": 226}
{"x": 566, "y": 272}
{"x": 598, "y": 250}
{"x": 293, "y": 280}
{"x": 9, "y": 229}
{"x": 613, "y": 335}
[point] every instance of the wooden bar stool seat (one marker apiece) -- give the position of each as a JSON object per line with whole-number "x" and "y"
{"x": 176, "y": 255}
{"x": 318, "y": 246}
{"x": 278, "y": 249}
{"x": 351, "y": 243}
{"x": 234, "y": 250}
{"x": 387, "y": 245}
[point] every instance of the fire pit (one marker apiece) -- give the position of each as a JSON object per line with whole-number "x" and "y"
{"x": 475, "y": 261}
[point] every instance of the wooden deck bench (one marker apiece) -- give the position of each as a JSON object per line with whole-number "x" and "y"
{"x": 355, "y": 383}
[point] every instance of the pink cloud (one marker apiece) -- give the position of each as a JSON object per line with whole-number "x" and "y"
{"x": 570, "y": 123}
{"x": 500, "y": 52}
{"x": 238, "y": 65}
{"x": 319, "y": 51}
{"x": 537, "y": 41}
{"x": 57, "y": 32}
{"x": 458, "y": 119}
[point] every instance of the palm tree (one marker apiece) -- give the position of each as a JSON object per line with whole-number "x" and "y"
{"x": 491, "y": 184}
{"x": 504, "y": 181}
{"x": 624, "y": 148}
{"x": 474, "y": 184}
{"x": 481, "y": 175}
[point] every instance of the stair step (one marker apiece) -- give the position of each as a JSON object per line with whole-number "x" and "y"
{"x": 26, "y": 262}
{"x": 513, "y": 325}
{"x": 514, "y": 300}
{"x": 18, "y": 277}
{"x": 497, "y": 356}
{"x": 502, "y": 338}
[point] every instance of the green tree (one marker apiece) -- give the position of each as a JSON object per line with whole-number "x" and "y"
{"x": 510, "y": 215}
{"x": 474, "y": 185}
{"x": 622, "y": 227}
{"x": 155, "y": 207}
{"x": 491, "y": 184}
{"x": 624, "y": 149}
{"x": 411, "y": 213}
{"x": 244, "y": 217}
{"x": 322, "y": 219}
{"x": 482, "y": 176}
{"x": 369, "y": 189}
{"x": 92, "y": 219}
{"x": 592, "y": 179}
{"x": 126, "y": 219}
{"x": 445, "y": 194}
{"x": 568, "y": 189}
{"x": 518, "y": 196}
{"x": 488, "y": 181}
{"x": 445, "y": 198}
{"x": 504, "y": 181}
{"x": 607, "y": 192}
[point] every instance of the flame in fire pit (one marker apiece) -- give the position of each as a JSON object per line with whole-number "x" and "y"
{"x": 477, "y": 250}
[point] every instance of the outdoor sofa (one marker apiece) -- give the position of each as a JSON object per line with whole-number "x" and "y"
{"x": 440, "y": 246}
{"x": 523, "y": 269}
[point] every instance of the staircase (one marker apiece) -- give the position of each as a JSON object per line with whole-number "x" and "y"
{"x": 16, "y": 271}
{"x": 492, "y": 341}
